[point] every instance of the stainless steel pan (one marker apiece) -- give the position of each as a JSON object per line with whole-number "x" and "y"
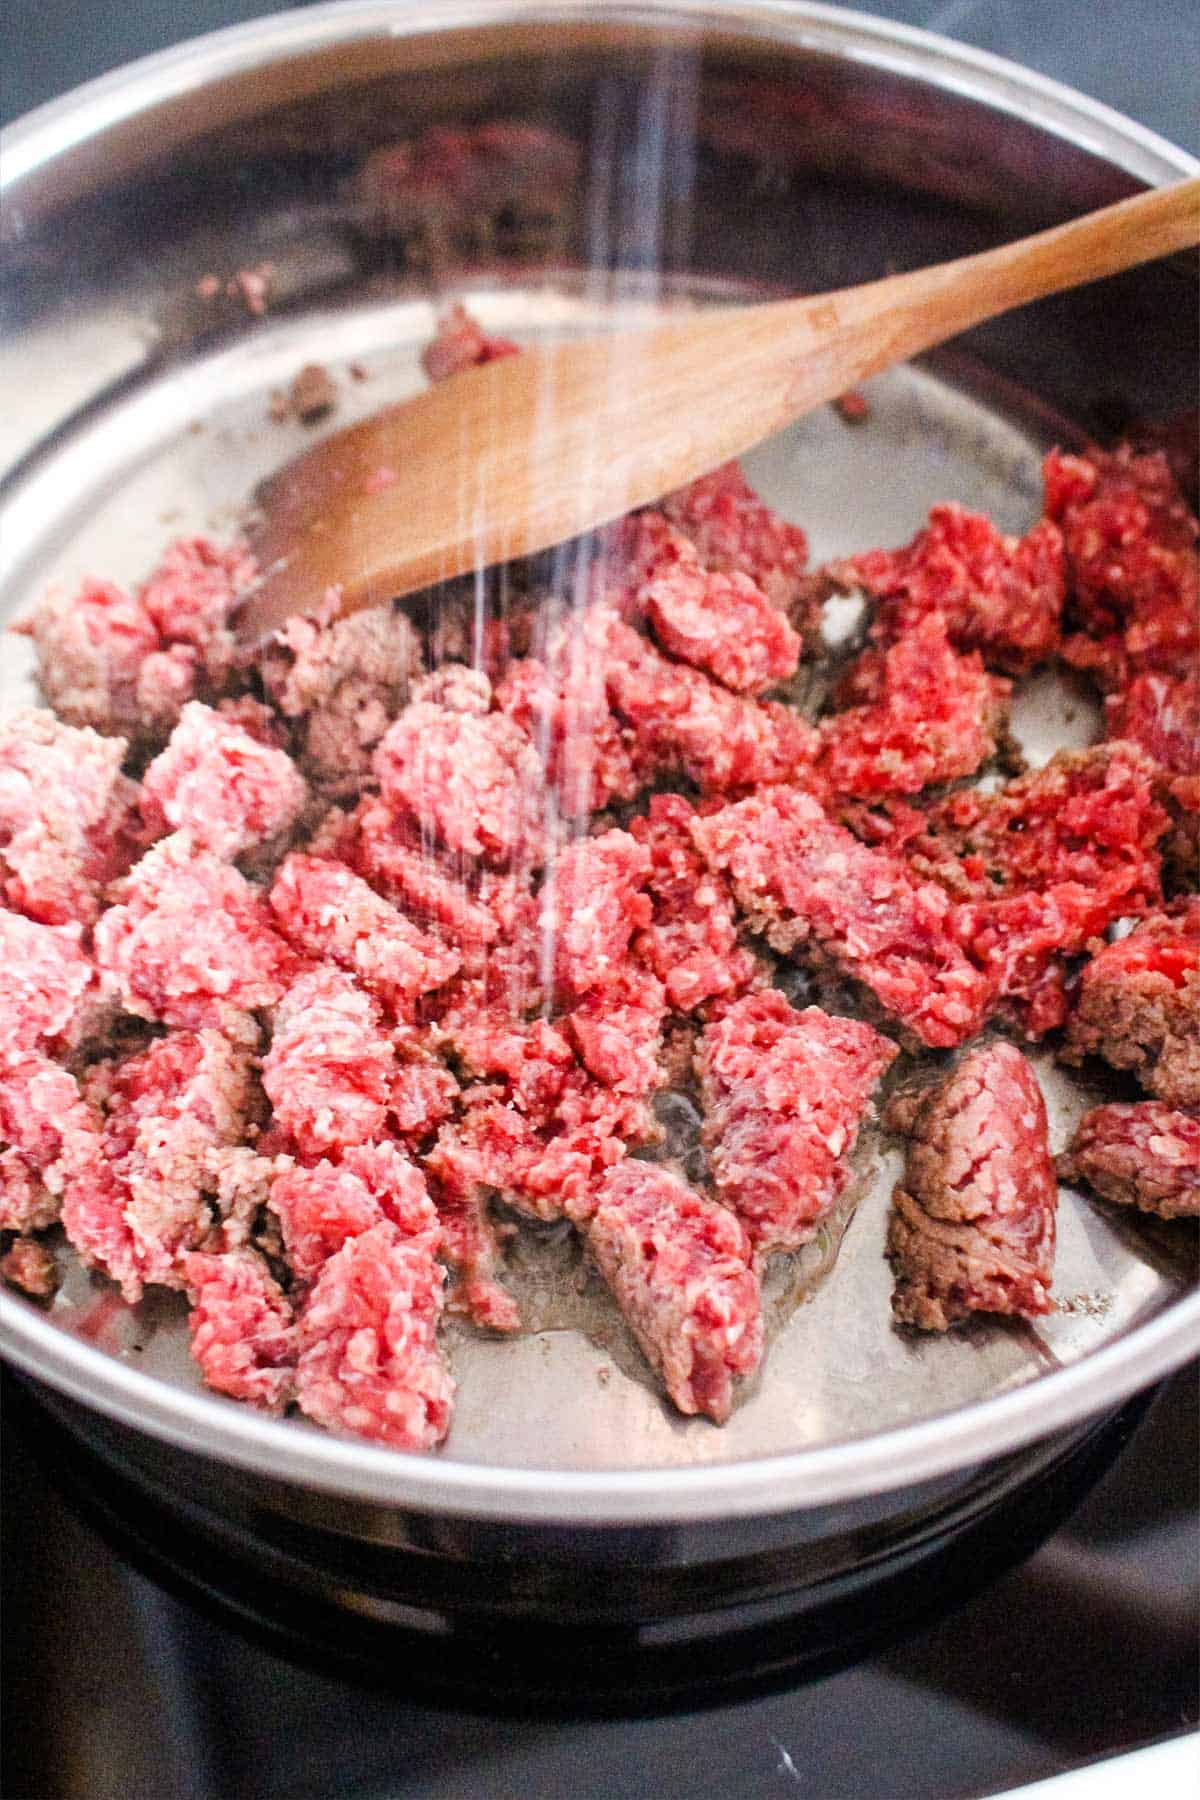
{"x": 726, "y": 150}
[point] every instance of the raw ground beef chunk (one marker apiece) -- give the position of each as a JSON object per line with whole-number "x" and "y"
{"x": 592, "y": 904}
{"x": 68, "y": 820}
{"x": 736, "y": 531}
{"x": 1044, "y": 865}
{"x": 143, "y": 1198}
{"x": 46, "y": 1132}
{"x": 691, "y": 943}
{"x": 126, "y": 664}
{"x": 1133, "y": 569}
{"x": 330, "y": 1068}
{"x": 243, "y": 1336}
{"x": 388, "y": 852}
{"x": 369, "y": 1361}
{"x": 29, "y": 1265}
{"x": 558, "y": 699}
{"x": 327, "y": 911}
{"x": 1161, "y": 714}
{"x": 683, "y": 723}
{"x": 681, "y": 1269}
{"x": 617, "y": 1030}
{"x": 49, "y": 995}
{"x": 1002, "y": 596}
{"x": 342, "y": 681}
{"x": 1139, "y": 1006}
{"x": 461, "y": 343}
{"x": 225, "y": 788}
{"x": 784, "y": 1095}
{"x": 1144, "y": 1154}
{"x": 718, "y": 621}
{"x": 812, "y": 887}
{"x": 973, "y": 1222}
{"x": 473, "y": 784}
{"x": 927, "y": 715}
{"x": 190, "y": 943}
{"x": 320, "y": 1207}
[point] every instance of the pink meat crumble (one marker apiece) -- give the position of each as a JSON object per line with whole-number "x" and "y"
{"x": 735, "y": 531}
{"x": 1160, "y": 713}
{"x": 46, "y": 1133}
{"x": 128, "y": 663}
{"x": 1133, "y": 568}
{"x": 190, "y": 942}
{"x": 68, "y": 819}
{"x": 461, "y": 343}
{"x": 561, "y": 704}
{"x": 321, "y": 1207}
{"x": 691, "y": 942}
{"x": 243, "y": 1335}
{"x": 222, "y": 786}
{"x": 1139, "y": 1006}
{"x": 369, "y": 1362}
{"x": 810, "y": 886}
{"x": 973, "y": 1222}
{"x": 681, "y": 1269}
{"x": 474, "y": 784}
{"x": 1002, "y": 596}
{"x": 927, "y": 715}
{"x": 1146, "y": 1155}
{"x": 592, "y": 904}
{"x": 720, "y": 622}
{"x": 784, "y": 1096}
{"x": 326, "y": 911}
{"x": 48, "y": 987}
{"x": 330, "y": 1068}
{"x": 142, "y": 1198}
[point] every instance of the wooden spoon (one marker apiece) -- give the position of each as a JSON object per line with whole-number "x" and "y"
{"x": 531, "y": 450}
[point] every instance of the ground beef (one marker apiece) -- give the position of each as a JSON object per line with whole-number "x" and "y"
{"x": 473, "y": 784}
{"x": 127, "y": 664}
{"x": 691, "y": 943}
{"x": 925, "y": 715}
{"x": 592, "y": 903}
{"x": 683, "y": 723}
{"x": 560, "y": 702}
{"x": 737, "y": 532}
{"x": 617, "y": 1030}
{"x": 225, "y": 788}
{"x": 1160, "y": 713}
{"x": 190, "y": 942}
{"x": 327, "y": 911}
{"x": 1133, "y": 569}
{"x": 973, "y": 1222}
{"x": 49, "y": 994}
{"x": 331, "y": 1066}
{"x": 720, "y": 622}
{"x": 243, "y": 1336}
{"x": 320, "y": 1207}
{"x": 142, "y": 1200}
{"x": 681, "y": 1269}
{"x": 369, "y": 1362}
{"x": 784, "y": 1095}
{"x": 46, "y": 1132}
{"x": 29, "y": 1265}
{"x": 434, "y": 889}
{"x": 814, "y": 889}
{"x": 342, "y": 681}
{"x": 461, "y": 343}
{"x": 68, "y": 818}
{"x": 1002, "y": 596}
{"x": 1145, "y": 1155}
{"x": 1139, "y": 1006}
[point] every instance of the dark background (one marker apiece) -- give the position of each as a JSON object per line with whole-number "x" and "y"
{"x": 1136, "y": 55}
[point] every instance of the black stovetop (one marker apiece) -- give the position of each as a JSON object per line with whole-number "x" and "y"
{"x": 115, "y": 1691}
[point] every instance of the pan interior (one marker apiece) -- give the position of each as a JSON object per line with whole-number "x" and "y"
{"x": 181, "y": 449}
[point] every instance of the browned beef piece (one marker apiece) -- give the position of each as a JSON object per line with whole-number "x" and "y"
{"x": 973, "y": 1222}
{"x": 1144, "y": 1154}
{"x": 1139, "y": 1006}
